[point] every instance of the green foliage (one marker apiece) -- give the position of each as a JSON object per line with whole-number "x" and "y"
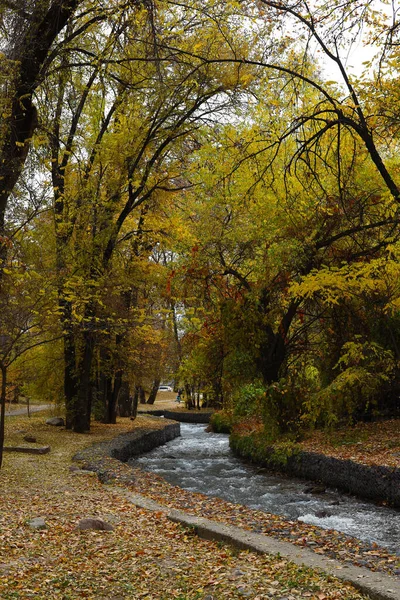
{"x": 222, "y": 421}
{"x": 365, "y": 369}
{"x": 248, "y": 400}
{"x": 41, "y": 371}
{"x": 257, "y": 448}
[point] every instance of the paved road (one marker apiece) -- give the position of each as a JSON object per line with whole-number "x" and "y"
{"x": 24, "y": 411}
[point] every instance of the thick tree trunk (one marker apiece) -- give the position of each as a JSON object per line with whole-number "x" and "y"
{"x": 273, "y": 350}
{"x": 2, "y": 409}
{"x": 70, "y": 379}
{"x": 188, "y": 397}
{"x": 111, "y": 416}
{"x": 135, "y": 402}
{"x": 81, "y": 417}
{"x": 142, "y": 395}
{"x": 272, "y": 357}
{"x": 28, "y": 56}
{"x": 153, "y": 393}
{"x": 125, "y": 401}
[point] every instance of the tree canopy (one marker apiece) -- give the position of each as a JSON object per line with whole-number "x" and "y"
{"x": 201, "y": 193}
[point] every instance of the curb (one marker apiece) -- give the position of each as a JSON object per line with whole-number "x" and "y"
{"x": 378, "y": 586}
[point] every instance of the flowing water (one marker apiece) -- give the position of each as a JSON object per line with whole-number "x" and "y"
{"x": 202, "y": 462}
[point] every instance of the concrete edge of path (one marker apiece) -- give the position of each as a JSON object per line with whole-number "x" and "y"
{"x": 378, "y": 586}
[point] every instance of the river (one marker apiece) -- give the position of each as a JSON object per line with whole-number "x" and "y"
{"x": 202, "y": 462}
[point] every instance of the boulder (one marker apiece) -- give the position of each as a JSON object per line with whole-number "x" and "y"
{"x": 30, "y": 438}
{"x": 37, "y": 523}
{"x": 94, "y": 524}
{"x": 56, "y": 421}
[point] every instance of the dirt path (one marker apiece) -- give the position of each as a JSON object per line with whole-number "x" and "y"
{"x": 23, "y": 410}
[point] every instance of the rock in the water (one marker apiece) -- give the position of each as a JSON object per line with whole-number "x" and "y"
{"x": 30, "y": 438}
{"x": 96, "y": 524}
{"x": 56, "y": 421}
{"x": 315, "y": 489}
{"x": 322, "y": 514}
{"x": 37, "y": 523}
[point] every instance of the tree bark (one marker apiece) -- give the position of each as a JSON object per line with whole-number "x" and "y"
{"x": 81, "y": 417}
{"x": 125, "y": 401}
{"x": 142, "y": 395}
{"x": 153, "y": 392}
{"x": 2, "y": 409}
{"x": 113, "y": 398}
{"x": 28, "y": 56}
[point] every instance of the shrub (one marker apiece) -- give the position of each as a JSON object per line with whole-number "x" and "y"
{"x": 222, "y": 421}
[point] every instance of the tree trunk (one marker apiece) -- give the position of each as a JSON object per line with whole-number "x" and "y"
{"x": 273, "y": 350}
{"x": 125, "y": 401}
{"x": 2, "y": 409}
{"x": 81, "y": 417}
{"x": 188, "y": 397}
{"x": 135, "y": 402}
{"x": 28, "y": 57}
{"x": 153, "y": 393}
{"x": 198, "y": 399}
{"x": 70, "y": 383}
{"x": 113, "y": 398}
{"x": 142, "y": 395}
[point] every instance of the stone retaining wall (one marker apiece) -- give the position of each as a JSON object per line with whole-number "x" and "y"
{"x": 373, "y": 482}
{"x": 378, "y": 483}
{"x": 130, "y": 444}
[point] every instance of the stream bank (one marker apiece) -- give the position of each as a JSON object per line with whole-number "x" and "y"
{"x": 330, "y": 544}
{"x": 371, "y": 482}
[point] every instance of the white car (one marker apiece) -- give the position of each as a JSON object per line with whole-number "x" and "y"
{"x": 165, "y": 388}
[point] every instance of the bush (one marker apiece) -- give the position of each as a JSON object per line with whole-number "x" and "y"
{"x": 258, "y": 449}
{"x": 248, "y": 400}
{"x": 221, "y": 422}
{"x": 365, "y": 369}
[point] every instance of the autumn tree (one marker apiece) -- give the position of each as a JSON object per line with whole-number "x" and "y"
{"x": 29, "y": 31}
{"x": 27, "y": 305}
{"x": 117, "y": 149}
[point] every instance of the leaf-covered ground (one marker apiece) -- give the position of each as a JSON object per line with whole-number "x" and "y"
{"x": 367, "y": 443}
{"x": 145, "y": 557}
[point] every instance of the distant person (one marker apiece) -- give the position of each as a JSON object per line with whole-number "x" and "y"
{"x": 179, "y": 397}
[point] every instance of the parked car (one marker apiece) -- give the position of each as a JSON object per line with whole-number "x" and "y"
{"x": 165, "y": 388}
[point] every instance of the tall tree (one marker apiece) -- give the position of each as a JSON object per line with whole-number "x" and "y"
{"x": 29, "y": 31}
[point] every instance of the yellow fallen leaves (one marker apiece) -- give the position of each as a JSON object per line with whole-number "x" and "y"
{"x": 145, "y": 557}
